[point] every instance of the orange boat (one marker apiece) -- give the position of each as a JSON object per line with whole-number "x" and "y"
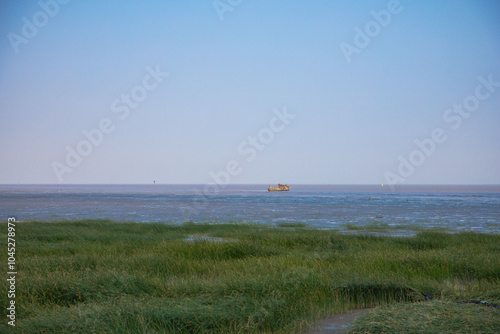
{"x": 280, "y": 187}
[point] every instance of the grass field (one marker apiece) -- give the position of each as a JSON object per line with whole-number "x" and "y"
{"x": 109, "y": 277}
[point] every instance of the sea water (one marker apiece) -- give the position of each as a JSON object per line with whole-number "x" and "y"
{"x": 471, "y": 208}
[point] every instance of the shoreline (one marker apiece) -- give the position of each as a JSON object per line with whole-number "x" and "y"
{"x": 375, "y": 229}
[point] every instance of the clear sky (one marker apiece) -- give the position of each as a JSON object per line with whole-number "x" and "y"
{"x": 356, "y": 85}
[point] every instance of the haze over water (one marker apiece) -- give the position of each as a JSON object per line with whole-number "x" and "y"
{"x": 474, "y": 208}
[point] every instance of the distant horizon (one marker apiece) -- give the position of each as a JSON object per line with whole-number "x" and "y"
{"x": 345, "y": 184}
{"x": 256, "y": 184}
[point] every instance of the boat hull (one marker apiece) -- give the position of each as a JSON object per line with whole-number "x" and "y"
{"x": 281, "y": 188}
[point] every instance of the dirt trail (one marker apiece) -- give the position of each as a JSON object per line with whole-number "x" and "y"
{"x": 339, "y": 323}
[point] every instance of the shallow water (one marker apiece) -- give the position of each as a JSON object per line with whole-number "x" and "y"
{"x": 474, "y": 208}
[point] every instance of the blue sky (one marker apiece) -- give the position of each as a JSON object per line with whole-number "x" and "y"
{"x": 354, "y": 121}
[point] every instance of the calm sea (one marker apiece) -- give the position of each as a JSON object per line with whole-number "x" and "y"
{"x": 474, "y": 208}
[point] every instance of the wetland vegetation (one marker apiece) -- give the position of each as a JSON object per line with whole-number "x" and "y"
{"x": 94, "y": 276}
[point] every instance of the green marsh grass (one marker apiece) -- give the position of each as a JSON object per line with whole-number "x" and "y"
{"x": 110, "y": 277}
{"x": 431, "y": 317}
